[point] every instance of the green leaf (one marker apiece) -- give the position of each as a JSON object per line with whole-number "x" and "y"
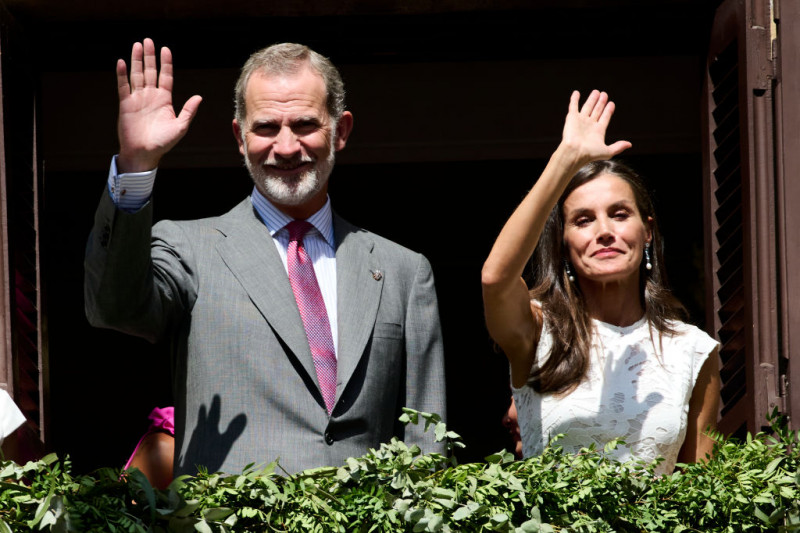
{"x": 462, "y": 512}
{"x": 440, "y": 492}
{"x": 49, "y": 459}
{"x": 217, "y": 513}
{"x": 499, "y": 518}
{"x": 531, "y": 526}
{"x": 203, "y": 527}
{"x": 187, "y": 508}
{"x": 409, "y": 416}
{"x": 42, "y": 508}
{"x": 48, "y": 519}
{"x": 761, "y": 515}
{"x": 9, "y": 470}
{"x": 495, "y": 458}
{"x": 399, "y": 481}
{"x": 141, "y": 480}
{"x": 414, "y": 515}
{"x": 444, "y": 502}
{"x": 440, "y": 431}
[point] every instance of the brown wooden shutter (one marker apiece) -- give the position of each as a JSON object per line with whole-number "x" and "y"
{"x": 23, "y": 364}
{"x": 787, "y": 158}
{"x": 740, "y": 209}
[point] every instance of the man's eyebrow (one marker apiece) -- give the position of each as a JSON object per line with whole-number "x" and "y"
{"x": 306, "y": 118}
{"x": 262, "y": 121}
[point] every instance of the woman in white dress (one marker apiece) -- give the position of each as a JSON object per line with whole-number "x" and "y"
{"x": 596, "y": 348}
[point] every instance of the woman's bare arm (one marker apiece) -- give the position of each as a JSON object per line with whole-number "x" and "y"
{"x": 703, "y": 410}
{"x": 513, "y": 322}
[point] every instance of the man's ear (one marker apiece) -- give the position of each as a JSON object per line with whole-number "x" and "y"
{"x": 237, "y": 132}
{"x": 343, "y": 129}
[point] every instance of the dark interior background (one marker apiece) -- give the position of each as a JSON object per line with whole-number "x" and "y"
{"x": 456, "y": 111}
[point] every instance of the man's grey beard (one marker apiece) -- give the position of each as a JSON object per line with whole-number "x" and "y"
{"x": 297, "y": 190}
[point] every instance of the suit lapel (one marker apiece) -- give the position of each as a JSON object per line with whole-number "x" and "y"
{"x": 358, "y": 294}
{"x": 250, "y": 253}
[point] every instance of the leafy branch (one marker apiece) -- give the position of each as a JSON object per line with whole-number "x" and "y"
{"x": 752, "y": 485}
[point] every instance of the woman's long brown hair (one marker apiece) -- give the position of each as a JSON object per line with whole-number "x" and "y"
{"x": 563, "y": 305}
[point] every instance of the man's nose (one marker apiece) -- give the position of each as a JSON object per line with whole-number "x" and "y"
{"x": 286, "y": 144}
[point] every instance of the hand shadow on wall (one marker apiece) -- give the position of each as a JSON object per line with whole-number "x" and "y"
{"x": 207, "y": 446}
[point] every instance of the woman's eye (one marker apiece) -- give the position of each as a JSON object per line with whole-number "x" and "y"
{"x": 582, "y": 221}
{"x": 621, "y": 215}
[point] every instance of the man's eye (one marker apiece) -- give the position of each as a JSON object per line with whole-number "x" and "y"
{"x": 305, "y": 127}
{"x": 265, "y": 129}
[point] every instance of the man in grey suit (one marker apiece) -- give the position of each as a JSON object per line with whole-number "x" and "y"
{"x": 262, "y": 368}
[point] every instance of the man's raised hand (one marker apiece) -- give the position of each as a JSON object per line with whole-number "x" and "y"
{"x": 148, "y": 127}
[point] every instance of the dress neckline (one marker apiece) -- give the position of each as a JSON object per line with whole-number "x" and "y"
{"x": 619, "y": 330}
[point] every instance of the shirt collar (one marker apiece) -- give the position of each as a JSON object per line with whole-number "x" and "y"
{"x": 276, "y": 220}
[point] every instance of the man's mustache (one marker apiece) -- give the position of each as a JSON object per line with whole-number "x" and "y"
{"x": 284, "y": 163}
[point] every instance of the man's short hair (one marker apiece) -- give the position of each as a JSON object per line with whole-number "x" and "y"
{"x": 290, "y": 58}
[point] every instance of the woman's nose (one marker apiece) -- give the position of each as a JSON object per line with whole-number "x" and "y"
{"x": 605, "y": 230}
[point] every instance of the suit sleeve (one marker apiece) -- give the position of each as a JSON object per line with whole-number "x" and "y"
{"x": 136, "y": 280}
{"x": 425, "y": 384}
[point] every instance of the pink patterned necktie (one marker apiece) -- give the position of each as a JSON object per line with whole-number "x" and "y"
{"x": 312, "y": 310}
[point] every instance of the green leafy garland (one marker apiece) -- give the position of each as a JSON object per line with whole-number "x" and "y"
{"x": 748, "y": 486}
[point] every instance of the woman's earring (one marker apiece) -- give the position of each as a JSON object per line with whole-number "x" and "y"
{"x": 647, "y": 264}
{"x": 567, "y": 268}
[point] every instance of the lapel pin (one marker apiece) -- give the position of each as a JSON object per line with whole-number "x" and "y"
{"x": 376, "y": 275}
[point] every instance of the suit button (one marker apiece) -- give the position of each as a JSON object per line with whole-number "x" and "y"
{"x": 328, "y": 438}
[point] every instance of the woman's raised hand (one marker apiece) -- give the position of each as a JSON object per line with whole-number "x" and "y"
{"x": 585, "y": 128}
{"x": 148, "y": 127}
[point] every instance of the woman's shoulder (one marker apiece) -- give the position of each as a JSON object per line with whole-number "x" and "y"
{"x": 685, "y": 329}
{"x": 689, "y": 337}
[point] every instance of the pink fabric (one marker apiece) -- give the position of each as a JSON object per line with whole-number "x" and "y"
{"x": 312, "y": 310}
{"x": 161, "y": 419}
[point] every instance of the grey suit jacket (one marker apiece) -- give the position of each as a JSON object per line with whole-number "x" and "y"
{"x": 245, "y": 385}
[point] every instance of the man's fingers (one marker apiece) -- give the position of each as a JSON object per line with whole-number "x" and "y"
{"x": 189, "y": 111}
{"x": 123, "y": 88}
{"x": 165, "y": 77}
{"x": 150, "y": 67}
{"x": 137, "y": 76}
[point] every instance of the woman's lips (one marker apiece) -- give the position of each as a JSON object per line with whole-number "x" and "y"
{"x": 605, "y": 252}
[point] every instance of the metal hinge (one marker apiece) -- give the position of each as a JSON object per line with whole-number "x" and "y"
{"x": 774, "y": 19}
{"x": 762, "y": 32}
{"x": 784, "y": 384}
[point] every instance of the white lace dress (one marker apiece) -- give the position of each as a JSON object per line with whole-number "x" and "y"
{"x": 630, "y": 392}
